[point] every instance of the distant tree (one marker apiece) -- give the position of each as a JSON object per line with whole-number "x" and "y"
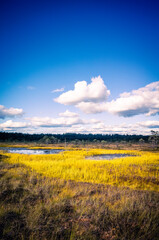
{"x": 103, "y": 142}
{"x": 154, "y": 138}
{"x": 141, "y": 140}
{"x": 45, "y": 140}
{"x": 48, "y": 140}
{"x": 53, "y": 139}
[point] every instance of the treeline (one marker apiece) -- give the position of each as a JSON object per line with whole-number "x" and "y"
{"x": 70, "y": 137}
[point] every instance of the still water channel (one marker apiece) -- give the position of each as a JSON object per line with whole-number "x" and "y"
{"x": 31, "y": 151}
{"x": 108, "y": 156}
{"x": 55, "y": 151}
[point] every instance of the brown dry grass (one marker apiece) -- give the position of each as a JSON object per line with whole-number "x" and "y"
{"x": 36, "y": 207}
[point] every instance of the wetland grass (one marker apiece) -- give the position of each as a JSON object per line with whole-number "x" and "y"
{"x": 66, "y": 196}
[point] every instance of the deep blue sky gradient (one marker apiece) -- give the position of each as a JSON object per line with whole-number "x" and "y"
{"x": 53, "y": 44}
{"x": 38, "y": 35}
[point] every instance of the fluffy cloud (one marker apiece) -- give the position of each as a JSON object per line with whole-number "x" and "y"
{"x": 58, "y": 90}
{"x": 11, "y": 125}
{"x": 149, "y": 124}
{"x": 91, "y": 107}
{"x": 10, "y": 112}
{"x": 136, "y": 128}
{"x": 67, "y": 119}
{"x": 101, "y": 128}
{"x": 65, "y": 123}
{"x": 142, "y": 101}
{"x": 67, "y": 113}
{"x": 56, "y": 122}
{"x": 95, "y": 92}
{"x": 61, "y": 125}
{"x": 92, "y": 98}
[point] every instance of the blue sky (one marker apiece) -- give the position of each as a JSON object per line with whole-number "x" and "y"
{"x": 50, "y": 45}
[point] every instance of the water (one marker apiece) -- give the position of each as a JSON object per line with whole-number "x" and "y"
{"x": 31, "y": 151}
{"x": 108, "y": 156}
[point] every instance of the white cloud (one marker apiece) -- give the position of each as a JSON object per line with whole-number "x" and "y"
{"x": 141, "y": 101}
{"x": 92, "y": 98}
{"x": 94, "y": 121}
{"x": 149, "y": 124}
{"x": 56, "y": 122}
{"x": 102, "y": 128}
{"x": 95, "y": 92}
{"x": 67, "y": 119}
{"x": 10, "y": 112}
{"x": 74, "y": 124}
{"x": 10, "y": 125}
{"x": 91, "y": 107}
{"x": 58, "y": 90}
{"x": 67, "y": 113}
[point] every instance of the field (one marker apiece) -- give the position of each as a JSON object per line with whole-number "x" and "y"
{"x": 65, "y": 196}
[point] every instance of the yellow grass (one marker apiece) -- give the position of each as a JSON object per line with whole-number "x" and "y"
{"x": 138, "y": 172}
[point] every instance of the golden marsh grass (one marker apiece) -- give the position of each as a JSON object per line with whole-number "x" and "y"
{"x": 139, "y": 171}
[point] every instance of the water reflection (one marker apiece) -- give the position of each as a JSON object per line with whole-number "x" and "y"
{"x": 108, "y": 156}
{"x": 31, "y": 151}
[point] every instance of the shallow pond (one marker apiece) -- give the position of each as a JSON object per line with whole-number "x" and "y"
{"x": 108, "y": 156}
{"x": 31, "y": 151}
